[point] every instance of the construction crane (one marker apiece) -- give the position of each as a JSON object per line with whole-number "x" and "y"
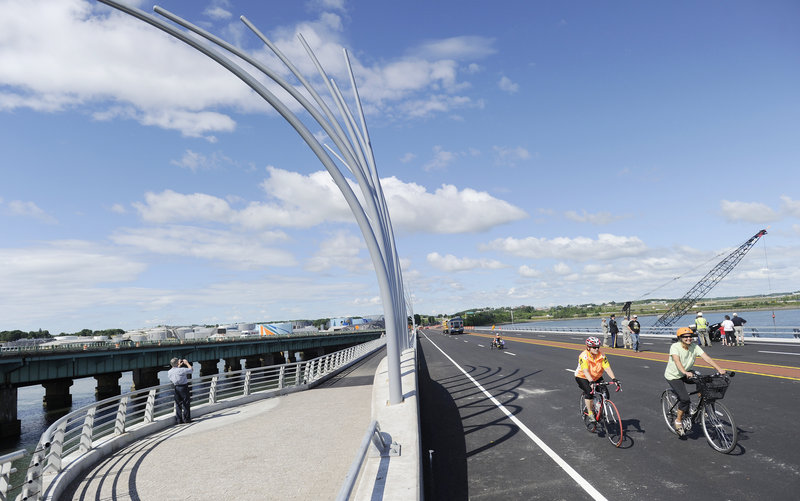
{"x": 707, "y": 283}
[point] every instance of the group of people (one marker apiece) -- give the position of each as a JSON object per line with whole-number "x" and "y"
{"x": 630, "y": 331}
{"x": 731, "y": 330}
{"x": 592, "y": 363}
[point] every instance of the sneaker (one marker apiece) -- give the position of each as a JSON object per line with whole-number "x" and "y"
{"x": 679, "y": 428}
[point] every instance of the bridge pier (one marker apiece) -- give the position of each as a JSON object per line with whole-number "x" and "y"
{"x": 107, "y": 385}
{"x": 145, "y": 378}
{"x": 10, "y": 426}
{"x": 56, "y": 394}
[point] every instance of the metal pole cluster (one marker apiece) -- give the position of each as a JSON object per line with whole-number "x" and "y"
{"x": 352, "y": 149}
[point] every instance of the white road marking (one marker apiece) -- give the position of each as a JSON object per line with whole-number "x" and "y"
{"x": 482, "y": 346}
{"x": 582, "y": 482}
{"x": 509, "y": 353}
{"x": 779, "y": 352}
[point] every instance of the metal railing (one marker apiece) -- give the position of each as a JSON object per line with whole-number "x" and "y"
{"x": 380, "y": 447}
{"x": 758, "y": 332}
{"x": 96, "y": 429}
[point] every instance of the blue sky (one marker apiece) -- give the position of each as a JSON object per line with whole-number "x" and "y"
{"x": 532, "y": 153}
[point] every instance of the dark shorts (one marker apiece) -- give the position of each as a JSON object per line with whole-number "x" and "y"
{"x": 585, "y": 386}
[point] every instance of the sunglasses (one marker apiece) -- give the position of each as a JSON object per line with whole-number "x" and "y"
{"x": 687, "y": 336}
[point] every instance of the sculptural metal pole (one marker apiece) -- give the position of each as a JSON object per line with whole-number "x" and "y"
{"x": 376, "y": 228}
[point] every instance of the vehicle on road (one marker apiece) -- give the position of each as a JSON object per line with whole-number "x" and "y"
{"x": 456, "y": 325}
{"x": 606, "y": 419}
{"x": 718, "y": 424}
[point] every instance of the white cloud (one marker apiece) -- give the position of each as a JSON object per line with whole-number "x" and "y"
{"x": 606, "y": 246}
{"x": 29, "y": 209}
{"x": 451, "y": 263}
{"x": 596, "y": 218}
{"x": 790, "y": 207}
{"x": 341, "y": 251}
{"x": 750, "y": 212}
{"x": 510, "y": 156}
{"x": 463, "y": 47}
{"x": 528, "y": 272}
{"x": 238, "y": 251}
{"x": 441, "y": 159}
{"x": 408, "y": 157}
{"x": 198, "y": 162}
{"x": 507, "y": 85}
{"x": 562, "y": 269}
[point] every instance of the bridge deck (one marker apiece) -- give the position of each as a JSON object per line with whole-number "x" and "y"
{"x": 294, "y": 447}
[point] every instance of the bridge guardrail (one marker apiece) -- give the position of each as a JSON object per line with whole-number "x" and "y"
{"x": 76, "y": 441}
{"x": 763, "y": 333}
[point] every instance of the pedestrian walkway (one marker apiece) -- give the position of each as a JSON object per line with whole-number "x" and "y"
{"x": 294, "y": 447}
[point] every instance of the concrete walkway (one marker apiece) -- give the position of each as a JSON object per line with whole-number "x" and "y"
{"x": 294, "y": 447}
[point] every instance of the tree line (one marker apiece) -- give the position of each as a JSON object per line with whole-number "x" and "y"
{"x": 15, "y": 335}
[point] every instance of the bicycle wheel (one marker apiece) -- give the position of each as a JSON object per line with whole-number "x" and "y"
{"x": 613, "y": 423}
{"x": 588, "y": 422}
{"x": 719, "y": 427}
{"x": 669, "y": 408}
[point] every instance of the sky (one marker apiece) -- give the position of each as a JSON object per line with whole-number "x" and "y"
{"x": 531, "y": 153}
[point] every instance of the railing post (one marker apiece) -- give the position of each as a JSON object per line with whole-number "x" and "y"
{"x": 86, "y": 432}
{"x": 298, "y": 379}
{"x": 246, "y": 383}
{"x": 122, "y": 411}
{"x": 56, "y": 449}
{"x": 149, "y": 408}
{"x": 281, "y": 375}
{"x": 212, "y": 390}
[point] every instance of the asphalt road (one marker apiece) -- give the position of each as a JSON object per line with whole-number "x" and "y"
{"x": 526, "y": 441}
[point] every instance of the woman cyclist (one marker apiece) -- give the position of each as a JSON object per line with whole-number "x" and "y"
{"x": 682, "y": 356}
{"x": 591, "y": 364}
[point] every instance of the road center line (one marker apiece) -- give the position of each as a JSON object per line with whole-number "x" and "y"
{"x": 779, "y": 352}
{"x": 585, "y": 485}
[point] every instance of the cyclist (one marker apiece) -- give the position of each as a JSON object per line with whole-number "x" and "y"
{"x": 682, "y": 356}
{"x": 497, "y": 340}
{"x": 591, "y": 364}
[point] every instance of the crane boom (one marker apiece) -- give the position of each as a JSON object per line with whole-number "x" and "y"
{"x": 707, "y": 283}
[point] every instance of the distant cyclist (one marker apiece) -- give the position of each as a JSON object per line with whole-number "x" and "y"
{"x": 682, "y": 356}
{"x": 591, "y": 364}
{"x": 498, "y": 341}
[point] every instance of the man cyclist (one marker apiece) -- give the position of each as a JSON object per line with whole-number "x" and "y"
{"x": 682, "y": 356}
{"x": 591, "y": 364}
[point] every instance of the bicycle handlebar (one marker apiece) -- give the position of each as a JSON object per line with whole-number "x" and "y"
{"x": 606, "y": 383}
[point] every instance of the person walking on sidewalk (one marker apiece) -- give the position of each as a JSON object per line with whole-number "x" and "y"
{"x": 701, "y": 324}
{"x": 177, "y": 374}
{"x": 635, "y": 327}
{"x": 738, "y": 328}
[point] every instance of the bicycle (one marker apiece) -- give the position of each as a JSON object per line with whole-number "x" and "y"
{"x": 606, "y": 415}
{"x": 718, "y": 424}
{"x": 498, "y": 344}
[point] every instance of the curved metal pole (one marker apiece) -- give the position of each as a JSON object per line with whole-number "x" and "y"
{"x": 393, "y": 353}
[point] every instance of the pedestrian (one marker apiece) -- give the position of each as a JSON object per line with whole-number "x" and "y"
{"x": 738, "y": 328}
{"x": 177, "y": 374}
{"x": 726, "y": 331}
{"x": 701, "y": 323}
{"x": 635, "y": 327}
{"x": 604, "y": 327}
{"x": 613, "y": 330}
{"x": 626, "y": 332}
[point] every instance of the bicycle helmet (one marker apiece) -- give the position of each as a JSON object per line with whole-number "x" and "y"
{"x": 683, "y": 331}
{"x": 592, "y": 342}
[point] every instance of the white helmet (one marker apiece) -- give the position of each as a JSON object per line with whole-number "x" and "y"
{"x": 699, "y": 313}
{"x": 735, "y": 314}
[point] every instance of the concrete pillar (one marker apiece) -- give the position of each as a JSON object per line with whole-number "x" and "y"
{"x": 107, "y": 385}
{"x": 208, "y": 367}
{"x": 56, "y": 394}
{"x": 145, "y": 378}
{"x": 233, "y": 364}
{"x": 10, "y": 426}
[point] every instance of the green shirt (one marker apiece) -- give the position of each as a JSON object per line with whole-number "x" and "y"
{"x": 687, "y": 358}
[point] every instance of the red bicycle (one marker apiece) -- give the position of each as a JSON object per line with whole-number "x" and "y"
{"x": 606, "y": 416}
